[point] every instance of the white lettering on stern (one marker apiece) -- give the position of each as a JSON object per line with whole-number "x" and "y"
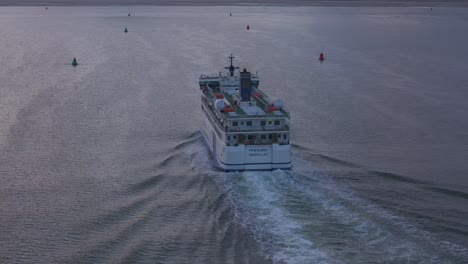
{"x": 258, "y": 151}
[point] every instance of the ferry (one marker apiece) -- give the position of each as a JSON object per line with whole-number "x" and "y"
{"x": 242, "y": 127}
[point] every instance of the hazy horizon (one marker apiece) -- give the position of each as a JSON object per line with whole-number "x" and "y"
{"x": 234, "y": 3}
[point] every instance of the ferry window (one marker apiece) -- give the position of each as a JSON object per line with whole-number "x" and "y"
{"x": 234, "y": 123}
{"x": 234, "y": 137}
{"x": 263, "y": 136}
{"x": 269, "y": 122}
{"x": 262, "y": 123}
{"x": 277, "y": 122}
{"x": 249, "y": 137}
{"x": 270, "y": 136}
{"x": 249, "y": 123}
{"x": 284, "y": 136}
{"x": 242, "y": 123}
{"x": 229, "y": 137}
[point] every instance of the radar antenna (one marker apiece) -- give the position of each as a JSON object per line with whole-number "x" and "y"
{"x": 231, "y": 68}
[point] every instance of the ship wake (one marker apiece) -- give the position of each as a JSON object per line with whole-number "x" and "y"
{"x": 307, "y": 217}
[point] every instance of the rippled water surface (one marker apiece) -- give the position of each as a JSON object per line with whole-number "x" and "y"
{"x": 104, "y": 163}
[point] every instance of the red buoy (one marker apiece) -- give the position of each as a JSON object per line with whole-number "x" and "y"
{"x": 321, "y": 58}
{"x": 248, "y": 27}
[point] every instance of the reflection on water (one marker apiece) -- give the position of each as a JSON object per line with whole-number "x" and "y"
{"x": 103, "y": 162}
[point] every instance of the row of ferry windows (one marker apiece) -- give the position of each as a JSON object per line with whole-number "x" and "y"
{"x": 251, "y": 137}
{"x": 262, "y": 123}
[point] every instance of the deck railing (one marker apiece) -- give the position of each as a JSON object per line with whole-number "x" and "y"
{"x": 258, "y": 128}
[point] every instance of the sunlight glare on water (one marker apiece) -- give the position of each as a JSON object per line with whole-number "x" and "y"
{"x": 104, "y": 162}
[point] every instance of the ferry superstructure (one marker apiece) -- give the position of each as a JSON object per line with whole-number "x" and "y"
{"x": 243, "y": 129}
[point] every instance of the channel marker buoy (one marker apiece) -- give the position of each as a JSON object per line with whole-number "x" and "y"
{"x": 74, "y": 63}
{"x": 128, "y": 14}
{"x": 230, "y": 14}
{"x": 248, "y": 27}
{"x": 321, "y": 58}
{"x": 126, "y": 30}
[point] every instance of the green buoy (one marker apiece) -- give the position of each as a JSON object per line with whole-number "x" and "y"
{"x": 74, "y": 63}
{"x": 126, "y": 30}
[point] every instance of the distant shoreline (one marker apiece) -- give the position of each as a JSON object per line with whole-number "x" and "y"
{"x": 278, "y": 3}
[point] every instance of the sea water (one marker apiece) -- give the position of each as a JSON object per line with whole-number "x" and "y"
{"x": 104, "y": 162}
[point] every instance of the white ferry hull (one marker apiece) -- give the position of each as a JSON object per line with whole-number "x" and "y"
{"x": 245, "y": 157}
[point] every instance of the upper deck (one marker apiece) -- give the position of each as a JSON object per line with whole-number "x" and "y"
{"x": 237, "y": 96}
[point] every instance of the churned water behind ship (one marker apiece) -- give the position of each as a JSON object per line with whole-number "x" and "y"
{"x": 104, "y": 163}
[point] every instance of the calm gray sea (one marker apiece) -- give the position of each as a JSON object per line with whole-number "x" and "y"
{"x": 104, "y": 163}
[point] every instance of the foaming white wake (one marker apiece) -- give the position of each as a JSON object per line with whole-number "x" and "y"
{"x": 257, "y": 198}
{"x": 307, "y": 218}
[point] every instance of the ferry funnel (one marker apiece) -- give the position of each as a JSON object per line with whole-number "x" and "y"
{"x": 321, "y": 58}
{"x": 74, "y": 63}
{"x": 245, "y": 85}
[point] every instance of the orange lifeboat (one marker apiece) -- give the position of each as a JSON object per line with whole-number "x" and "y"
{"x": 273, "y": 108}
{"x": 258, "y": 95}
{"x": 228, "y": 109}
